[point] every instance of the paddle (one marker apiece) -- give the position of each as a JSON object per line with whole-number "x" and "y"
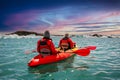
{"x": 30, "y": 51}
{"x": 84, "y": 51}
{"x": 91, "y": 47}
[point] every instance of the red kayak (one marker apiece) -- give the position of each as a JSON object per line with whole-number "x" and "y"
{"x": 38, "y": 60}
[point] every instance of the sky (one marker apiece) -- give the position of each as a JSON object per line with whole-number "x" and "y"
{"x": 60, "y": 16}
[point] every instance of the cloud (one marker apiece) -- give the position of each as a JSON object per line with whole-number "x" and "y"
{"x": 47, "y": 22}
{"x": 64, "y": 19}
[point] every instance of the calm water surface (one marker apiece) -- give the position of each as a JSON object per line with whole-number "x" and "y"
{"x": 101, "y": 64}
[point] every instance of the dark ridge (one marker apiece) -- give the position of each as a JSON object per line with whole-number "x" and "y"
{"x": 25, "y": 33}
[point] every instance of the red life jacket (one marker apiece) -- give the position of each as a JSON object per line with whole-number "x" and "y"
{"x": 65, "y": 44}
{"x": 44, "y": 47}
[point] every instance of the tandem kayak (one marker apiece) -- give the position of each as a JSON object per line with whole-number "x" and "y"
{"x": 38, "y": 60}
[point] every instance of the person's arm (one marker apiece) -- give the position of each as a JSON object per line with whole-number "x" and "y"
{"x": 54, "y": 51}
{"x": 60, "y": 43}
{"x": 71, "y": 43}
{"x": 38, "y": 44}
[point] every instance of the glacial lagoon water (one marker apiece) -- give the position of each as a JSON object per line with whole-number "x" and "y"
{"x": 101, "y": 64}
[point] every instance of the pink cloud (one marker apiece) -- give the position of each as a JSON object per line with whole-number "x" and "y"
{"x": 21, "y": 19}
{"x": 40, "y": 21}
{"x": 108, "y": 15}
{"x": 18, "y": 18}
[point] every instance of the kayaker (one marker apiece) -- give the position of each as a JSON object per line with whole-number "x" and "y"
{"x": 45, "y": 45}
{"x": 66, "y": 43}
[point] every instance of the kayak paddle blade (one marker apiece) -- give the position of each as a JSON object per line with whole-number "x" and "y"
{"x": 82, "y": 52}
{"x": 91, "y": 47}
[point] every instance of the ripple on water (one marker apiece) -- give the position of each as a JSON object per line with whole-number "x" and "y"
{"x": 101, "y": 64}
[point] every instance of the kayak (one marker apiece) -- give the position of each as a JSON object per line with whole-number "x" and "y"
{"x": 38, "y": 60}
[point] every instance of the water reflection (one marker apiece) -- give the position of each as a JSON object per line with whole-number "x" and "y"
{"x": 44, "y": 69}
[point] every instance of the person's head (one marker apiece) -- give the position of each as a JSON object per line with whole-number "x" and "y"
{"x": 46, "y": 34}
{"x": 66, "y": 35}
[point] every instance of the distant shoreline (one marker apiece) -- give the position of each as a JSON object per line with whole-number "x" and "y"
{"x": 24, "y": 33}
{"x": 115, "y": 32}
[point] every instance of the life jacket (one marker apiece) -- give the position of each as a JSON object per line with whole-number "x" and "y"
{"x": 44, "y": 47}
{"x": 65, "y": 44}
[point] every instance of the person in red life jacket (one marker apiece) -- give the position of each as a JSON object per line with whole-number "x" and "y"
{"x": 66, "y": 43}
{"x": 45, "y": 45}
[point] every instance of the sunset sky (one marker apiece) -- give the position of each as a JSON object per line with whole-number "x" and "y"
{"x": 60, "y": 16}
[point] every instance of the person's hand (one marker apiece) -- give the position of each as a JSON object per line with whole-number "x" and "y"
{"x": 60, "y": 51}
{"x": 69, "y": 51}
{"x": 34, "y": 51}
